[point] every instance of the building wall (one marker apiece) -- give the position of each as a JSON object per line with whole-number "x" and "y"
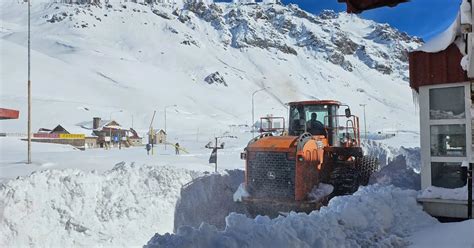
{"x": 135, "y": 141}
{"x": 91, "y": 143}
{"x": 79, "y": 143}
{"x": 436, "y": 68}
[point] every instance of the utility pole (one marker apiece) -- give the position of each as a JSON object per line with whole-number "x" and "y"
{"x": 151, "y": 136}
{"x": 253, "y": 109}
{"x": 365, "y": 121}
{"x": 29, "y": 82}
{"x": 166, "y": 132}
{"x": 213, "y": 158}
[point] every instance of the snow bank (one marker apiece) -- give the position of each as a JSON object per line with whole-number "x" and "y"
{"x": 457, "y": 234}
{"x": 399, "y": 174}
{"x": 386, "y": 154}
{"x": 374, "y": 216}
{"x": 64, "y": 208}
{"x": 320, "y": 191}
{"x": 240, "y": 193}
{"x": 209, "y": 199}
{"x": 433, "y": 192}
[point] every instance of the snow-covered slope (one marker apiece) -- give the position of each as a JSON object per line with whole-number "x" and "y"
{"x": 93, "y": 60}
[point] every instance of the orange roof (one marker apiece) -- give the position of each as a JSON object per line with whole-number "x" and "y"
{"x": 8, "y": 114}
{"x": 316, "y": 102}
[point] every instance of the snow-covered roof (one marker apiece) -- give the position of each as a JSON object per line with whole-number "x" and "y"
{"x": 444, "y": 39}
{"x": 102, "y": 123}
{"x": 73, "y": 129}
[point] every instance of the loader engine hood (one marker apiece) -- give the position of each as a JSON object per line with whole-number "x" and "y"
{"x": 270, "y": 168}
{"x": 274, "y": 144}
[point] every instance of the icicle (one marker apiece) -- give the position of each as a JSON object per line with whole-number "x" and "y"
{"x": 416, "y": 99}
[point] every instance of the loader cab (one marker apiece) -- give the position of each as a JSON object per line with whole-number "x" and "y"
{"x": 340, "y": 130}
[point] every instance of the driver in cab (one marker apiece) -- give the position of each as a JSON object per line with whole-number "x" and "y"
{"x": 314, "y": 126}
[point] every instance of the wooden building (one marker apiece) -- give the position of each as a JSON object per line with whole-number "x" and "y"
{"x": 59, "y": 135}
{"x": 108, "y": 133}
{"x": 157, "y": 137}
{"x": 134, "y": 139}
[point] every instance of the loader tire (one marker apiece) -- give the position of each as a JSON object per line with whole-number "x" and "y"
{"x": 345, "y": 180}
{"x": 367, "y": 165}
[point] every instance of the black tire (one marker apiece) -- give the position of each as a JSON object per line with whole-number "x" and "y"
{"x": 367, "y": 165}
{"x": 345, "y": 180}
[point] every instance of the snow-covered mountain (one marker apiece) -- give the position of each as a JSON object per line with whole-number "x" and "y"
{"x": 94, "y": 58}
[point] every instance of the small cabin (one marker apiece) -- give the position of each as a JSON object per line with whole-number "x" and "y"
{"x": 157, "y": 137}
{"x": 445, "y": 96}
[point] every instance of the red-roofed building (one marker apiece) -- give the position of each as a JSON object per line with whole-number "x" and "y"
{"x": 7, "y": 114}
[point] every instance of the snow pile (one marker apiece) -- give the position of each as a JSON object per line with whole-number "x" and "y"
{"x": 209, "y": 199}
{"x": 64, "y": 208}
{"x": 321, "y": 191}
{"x": 399, "y": 174}
{"x": 240, "y": 193}
{"x": 433, "y": 192}
{"x": 373, "y": 216}
{"x": 456, "y": 234}
{"x": 386, "y": 153}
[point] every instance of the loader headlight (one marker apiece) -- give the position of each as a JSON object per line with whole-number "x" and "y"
{"x": 319, "y": 144}
{"x": 300, "y": 158}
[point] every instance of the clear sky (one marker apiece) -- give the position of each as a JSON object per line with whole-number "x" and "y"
{"x": 422, "y": 18}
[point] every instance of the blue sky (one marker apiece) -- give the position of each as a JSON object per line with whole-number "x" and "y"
{"x": 423, "y": 18}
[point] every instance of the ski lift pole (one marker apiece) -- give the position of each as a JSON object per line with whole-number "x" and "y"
{"x": 215, "y": 169}
{"x": 151, "y": 136}
{"x": 215, "y": 148}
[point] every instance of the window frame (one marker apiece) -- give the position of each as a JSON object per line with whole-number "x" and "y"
{"x": 425, "y": 129}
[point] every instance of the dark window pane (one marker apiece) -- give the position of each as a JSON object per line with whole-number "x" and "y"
{"x": 448, "y": 140}
{"x": 447, "y": 103}
{"x": 447, "y": 175}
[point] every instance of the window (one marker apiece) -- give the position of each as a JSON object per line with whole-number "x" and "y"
{"x": 447, "y": 103}
{"x": 447, "y": 175}
{"x": 300, "y": 115}
{"x": 448, "y": 140}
